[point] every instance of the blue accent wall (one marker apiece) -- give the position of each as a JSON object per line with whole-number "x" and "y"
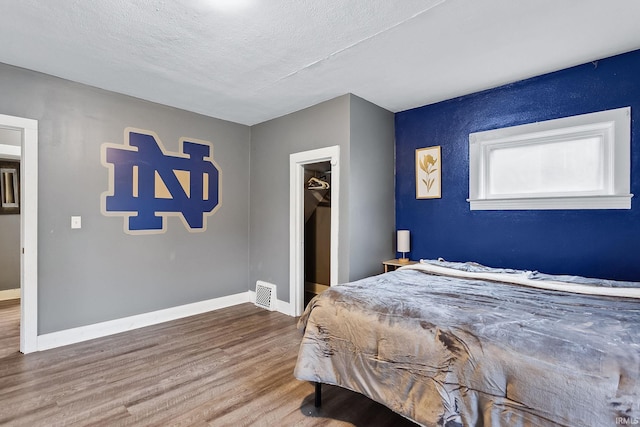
{"x": 594, "y": 243}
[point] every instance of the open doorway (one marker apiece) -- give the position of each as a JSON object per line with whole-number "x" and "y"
{"x": 324, "y": 165}
{"x": 10, "y": 143}
{"x": 26, "y": 153}
{"x": 317, "y": 229}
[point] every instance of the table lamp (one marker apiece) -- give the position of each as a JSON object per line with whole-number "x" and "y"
{"x": 403, "y": 245}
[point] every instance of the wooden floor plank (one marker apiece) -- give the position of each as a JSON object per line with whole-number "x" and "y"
{"x": 232, "y": 367}
{"x": 9, "y": 327}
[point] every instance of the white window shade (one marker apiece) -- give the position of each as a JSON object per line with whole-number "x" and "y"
{"x": 579, "y": 162}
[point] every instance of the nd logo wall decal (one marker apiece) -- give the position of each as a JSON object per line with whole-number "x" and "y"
{"x": 147, "y": 183}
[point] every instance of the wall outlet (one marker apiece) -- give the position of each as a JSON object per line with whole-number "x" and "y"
{"x": 76, "y": 222}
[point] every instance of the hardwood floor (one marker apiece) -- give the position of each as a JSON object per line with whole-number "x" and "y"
{"x": 9, "y": 327}
{"x": 230, "y": 367}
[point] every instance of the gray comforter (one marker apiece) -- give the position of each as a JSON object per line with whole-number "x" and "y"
{"x": 447, "y": 351}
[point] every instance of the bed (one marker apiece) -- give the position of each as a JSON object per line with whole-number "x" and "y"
{"x": 460, "y": 344}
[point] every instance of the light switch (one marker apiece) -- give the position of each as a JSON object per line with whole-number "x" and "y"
{"x": 76, "y": 222}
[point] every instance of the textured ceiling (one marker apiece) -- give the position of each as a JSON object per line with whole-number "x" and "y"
{"x": 261, "y": 59}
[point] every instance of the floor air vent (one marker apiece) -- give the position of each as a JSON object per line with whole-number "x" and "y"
{"x": 266, "y": 295}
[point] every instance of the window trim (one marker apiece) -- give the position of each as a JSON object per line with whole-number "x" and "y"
{"x": 612, "y": 127}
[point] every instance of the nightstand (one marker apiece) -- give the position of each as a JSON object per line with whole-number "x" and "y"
{"x": 393, "y": 264}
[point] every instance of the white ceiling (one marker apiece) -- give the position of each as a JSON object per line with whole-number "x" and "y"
{"x": 265, "y": 58}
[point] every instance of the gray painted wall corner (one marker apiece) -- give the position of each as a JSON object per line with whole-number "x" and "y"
{"x": 372, "y": 188}
{"x": 360, "y": 128}
{"x": 322, "y": 125}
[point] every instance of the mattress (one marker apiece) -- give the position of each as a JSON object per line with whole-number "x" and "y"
{"x": 444, "y": 350}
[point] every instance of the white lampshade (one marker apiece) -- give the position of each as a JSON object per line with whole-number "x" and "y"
{"x": 403, "y": 243}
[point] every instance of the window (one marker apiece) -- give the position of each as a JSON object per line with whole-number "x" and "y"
{"x": 578, "y": 162}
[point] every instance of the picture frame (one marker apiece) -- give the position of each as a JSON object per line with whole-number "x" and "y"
{"x": 9, "y": 187}
{"x": 428, "y": 173}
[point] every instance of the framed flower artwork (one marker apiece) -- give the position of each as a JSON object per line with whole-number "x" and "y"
{"x": 428, "y": 177}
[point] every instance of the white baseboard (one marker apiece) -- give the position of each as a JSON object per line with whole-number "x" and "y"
{"x": 98, "y": 330}
{"x": 281, "y": 306}
{"x": 10, "y": 294}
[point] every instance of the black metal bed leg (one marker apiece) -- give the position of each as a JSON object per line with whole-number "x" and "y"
{"x": 318, "y": 396}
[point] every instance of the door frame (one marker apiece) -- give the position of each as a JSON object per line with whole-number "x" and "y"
{"x": 28, "y": 156}
{"x": 297, "y": 162}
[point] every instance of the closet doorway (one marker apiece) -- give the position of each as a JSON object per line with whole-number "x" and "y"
{"x": 314, "y": 178}
{"x": 317, "y": 229}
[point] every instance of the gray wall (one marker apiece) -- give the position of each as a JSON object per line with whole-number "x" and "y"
{"x": 10, "y": 137}
{"x": 323, "y": 125}
{"x": 339, "y": 121}
{"x": 99, "y": 273}
{"x": 371, "y": 188}
{"x": 10, "y": 230}
{"x": 9, "y": 252}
